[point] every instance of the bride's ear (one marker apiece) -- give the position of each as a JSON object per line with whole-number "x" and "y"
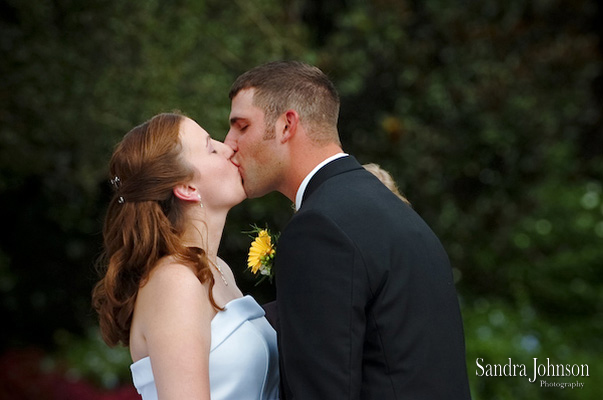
{"x": 186, "y": 193}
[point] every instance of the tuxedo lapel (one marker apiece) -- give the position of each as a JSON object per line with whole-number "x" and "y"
{"x": 335, "y": 167}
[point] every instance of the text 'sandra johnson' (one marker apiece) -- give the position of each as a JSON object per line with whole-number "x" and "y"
{"x": 538, "y": 369}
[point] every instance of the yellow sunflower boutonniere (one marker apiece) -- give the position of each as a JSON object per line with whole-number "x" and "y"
{"x": 262, "y": 252}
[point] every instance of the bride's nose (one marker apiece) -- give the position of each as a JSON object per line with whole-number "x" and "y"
{"x": 223, "y": 149}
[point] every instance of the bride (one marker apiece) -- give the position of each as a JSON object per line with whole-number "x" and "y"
{"x": 165, "y": 293}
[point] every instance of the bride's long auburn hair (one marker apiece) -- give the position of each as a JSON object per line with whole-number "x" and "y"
{"x": 144, "y": 222}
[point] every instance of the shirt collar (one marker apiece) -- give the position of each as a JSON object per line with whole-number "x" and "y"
{"x": 302, "y": 188}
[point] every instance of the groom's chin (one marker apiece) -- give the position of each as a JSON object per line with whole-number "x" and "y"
{"x": 249, "y": 191}
{"x": 253, "y": 193}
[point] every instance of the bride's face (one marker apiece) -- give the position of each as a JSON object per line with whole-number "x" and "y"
{"x": 217, "y": 180}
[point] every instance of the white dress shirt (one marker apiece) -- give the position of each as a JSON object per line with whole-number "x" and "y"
{"x": 302, "y": 188}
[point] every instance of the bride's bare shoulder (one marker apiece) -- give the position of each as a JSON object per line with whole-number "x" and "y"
{"x": 173, "y": 278}
{"x": 171, "y": 301}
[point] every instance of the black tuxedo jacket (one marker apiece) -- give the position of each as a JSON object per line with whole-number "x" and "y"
{"x": 366, "y": 302}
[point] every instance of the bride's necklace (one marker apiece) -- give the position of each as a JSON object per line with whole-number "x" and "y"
{"x": 221, "y": 274}
{"x": 215, "y": 264}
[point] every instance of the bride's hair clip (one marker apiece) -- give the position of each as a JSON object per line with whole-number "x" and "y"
{"x": 116, "y": 182}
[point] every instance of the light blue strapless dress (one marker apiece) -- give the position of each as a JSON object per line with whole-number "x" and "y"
{"x": 243, "y": 359}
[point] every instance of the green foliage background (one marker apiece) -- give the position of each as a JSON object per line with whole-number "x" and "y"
{"x": 487, "y": 113}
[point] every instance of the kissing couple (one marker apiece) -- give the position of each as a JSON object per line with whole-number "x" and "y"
{"x": 366, "y": 306}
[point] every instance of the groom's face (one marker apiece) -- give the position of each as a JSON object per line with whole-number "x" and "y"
{"x": 253, "y": 146}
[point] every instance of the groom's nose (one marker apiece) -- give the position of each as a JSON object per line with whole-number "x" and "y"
{"x": 230, "y": 141}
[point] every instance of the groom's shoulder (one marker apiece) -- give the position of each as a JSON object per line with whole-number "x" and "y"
{"x": 351, "y": 191}
{"x": 357, "y": 199}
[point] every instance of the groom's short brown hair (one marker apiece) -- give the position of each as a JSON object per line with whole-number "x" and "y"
{"x": 283, "y": 85}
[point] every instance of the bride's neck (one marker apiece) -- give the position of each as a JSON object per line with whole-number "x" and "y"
{"x": 206, "y": 233}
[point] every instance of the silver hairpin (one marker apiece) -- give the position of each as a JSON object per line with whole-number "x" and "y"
{"x": 116, "y": 182}
{"x": 121, "y": 200}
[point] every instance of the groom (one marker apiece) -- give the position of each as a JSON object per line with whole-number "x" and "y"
{"x": 366, "y": 301}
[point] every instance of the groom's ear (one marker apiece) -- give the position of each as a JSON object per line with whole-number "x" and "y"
{"x": 290, "y": 121}
{"x": 186, "y": 193}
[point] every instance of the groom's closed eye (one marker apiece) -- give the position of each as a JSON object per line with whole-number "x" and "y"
{"x": 242, "y": 127}
{"x": 239, "y": 124}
